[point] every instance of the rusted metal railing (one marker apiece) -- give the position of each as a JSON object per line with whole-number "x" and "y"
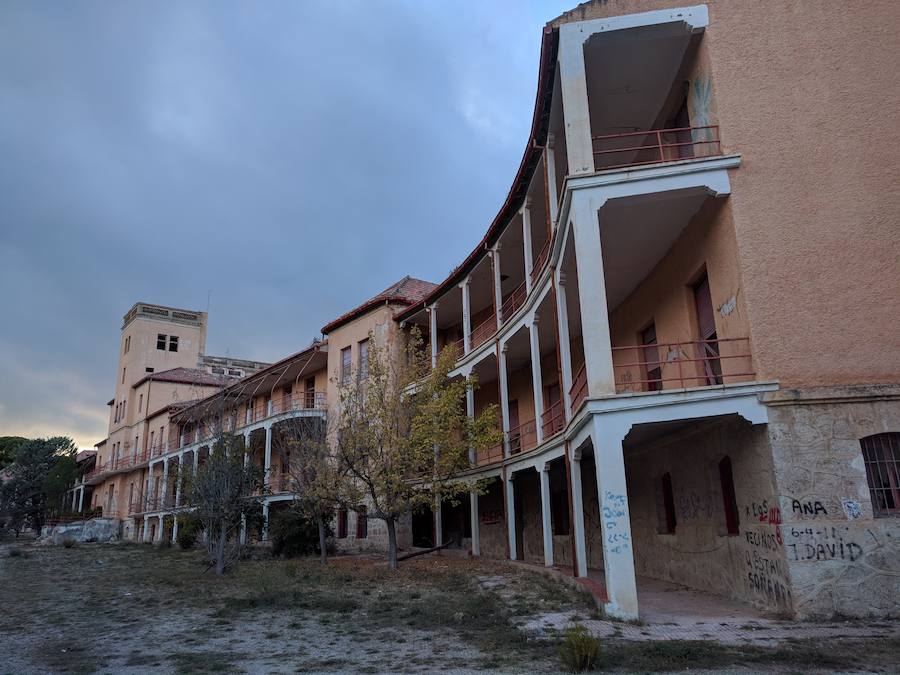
{"x": 634, "y": 148}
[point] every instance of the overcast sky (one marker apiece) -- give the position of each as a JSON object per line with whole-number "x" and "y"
{"x": 285, "y": 159}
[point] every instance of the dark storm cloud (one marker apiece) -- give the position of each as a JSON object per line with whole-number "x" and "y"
{"x": 289, "y": 159}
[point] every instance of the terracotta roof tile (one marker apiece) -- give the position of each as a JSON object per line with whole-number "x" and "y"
{"x": 407, "y": 291}
{"x": 187, "y": 376}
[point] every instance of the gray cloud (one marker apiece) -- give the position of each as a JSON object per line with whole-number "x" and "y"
{"x": 288, "y": 158}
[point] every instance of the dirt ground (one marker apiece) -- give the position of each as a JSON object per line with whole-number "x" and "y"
{"x": 138, "y": 609}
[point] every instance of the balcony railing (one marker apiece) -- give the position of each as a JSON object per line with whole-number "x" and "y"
{"x": 484, "y": 332}
{"x": 540, "y": 261}
{"x": 118, "y": 464}
{"x": 553, "y": 419}
{"x": 680, "y": 365}
{"x": 522, "y": 437}
{"x": 579, "y": 390}
{"x": 635, "y": 148}
{"x": 489, "y": 455}
{"x": 513, "y": 301}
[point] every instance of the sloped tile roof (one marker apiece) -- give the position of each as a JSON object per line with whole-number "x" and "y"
{"x": 187, "y": 376}
{"x": 407, "y": 291}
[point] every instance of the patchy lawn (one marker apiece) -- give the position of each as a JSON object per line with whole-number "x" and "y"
{"x": 132, "y": 608}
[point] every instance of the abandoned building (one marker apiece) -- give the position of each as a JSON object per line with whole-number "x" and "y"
{"x": 686, "y": 310}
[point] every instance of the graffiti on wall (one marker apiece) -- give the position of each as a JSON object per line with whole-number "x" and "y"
{"x": 807, "y": 544}
{"x": 693, "y": 506}
{"x": 807, "y": 508}
{"x": 614, "y": 514}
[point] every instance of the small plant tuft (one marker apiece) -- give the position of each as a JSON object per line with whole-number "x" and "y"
{"x": 69, "y": 543}
{"x": 188, "y": 530}
{"x": 16, "y": 552}
{"x": 579, "y": 649}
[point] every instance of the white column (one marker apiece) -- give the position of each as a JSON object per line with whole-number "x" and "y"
{"x": 432, "y": 316}
{"x": 146, "y": 531}
{"x": 552, "y": 195}
{"x": 74, "y": 498}
{"x": 196, "y": 460}
{"x": 438, "y": 524}
{"x": 470, "y": 412}
{"x": 265, "y": 527}
{"x": 159, "y": 530}
{"x": 164, "y": 498}
{"x": 148, "y": 495}
{"x": 511, "y": 515}
{"x": 536, "y": 377}
{"x": 268, "y": 456}
{"x": 573, "y": 84}
{"x": 498, "y": 293}
{"x": 526, "y": 242}
{"x": 473, "y": 515}
{"x": 565, "y": 352}
{"x": 504, "y": 397}
{"x": 578, "y": 517}
{"x": 81, "y": 499}
{"x": 243, "y": 534}
{"x": 618, "y": 551}
{"x": 467, "y": 316}
{"x": 592, "y": 296}
{"x": 174, "y": 529}
{"x": 545, "y": 515}
{"x": 179, "y": 478}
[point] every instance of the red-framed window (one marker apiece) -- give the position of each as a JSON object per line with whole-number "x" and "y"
{"x": 669, "y": 522}
{"x": 342, "y": 524}
{"x": 726, "y": 480}
{"x": 362, "y": 522}
{"x": 881, "y": 453}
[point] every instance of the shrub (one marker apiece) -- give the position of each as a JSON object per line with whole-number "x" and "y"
{"x": 68, "y": 543}
{"x": 188, "y": 531}
{"x": 579, "y": 649}
{"x": 16, "y": 552}
{"x": 292, "y": 534}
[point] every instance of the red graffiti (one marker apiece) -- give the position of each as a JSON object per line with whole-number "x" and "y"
{"x": 773, "y": 516}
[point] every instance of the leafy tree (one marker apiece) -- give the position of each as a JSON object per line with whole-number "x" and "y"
{"x": 40, "y": 472}
{"x": 403, "y": 433}
{"x": 319, "y": 482}
{"x": 8, "y": 445}
{"x": 223, "y": 490}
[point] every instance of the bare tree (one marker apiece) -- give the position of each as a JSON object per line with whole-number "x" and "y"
{"x": 403, "y": 434}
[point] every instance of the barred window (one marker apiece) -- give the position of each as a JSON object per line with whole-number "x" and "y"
{"x": 881, "y": 453}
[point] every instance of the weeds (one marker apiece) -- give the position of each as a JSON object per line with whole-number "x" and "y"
{"x": 579, "y": 649}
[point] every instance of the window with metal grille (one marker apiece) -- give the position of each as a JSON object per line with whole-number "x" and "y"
{"x": 726, "y": 479}
{"x": 364, "y": 359}
{"x": 881, "y": 453}
{"x": 342, "y": 524}
{"x": 345, "y": 366}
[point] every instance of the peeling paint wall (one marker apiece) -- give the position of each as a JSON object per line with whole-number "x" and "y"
{"x": 842, "y": 560}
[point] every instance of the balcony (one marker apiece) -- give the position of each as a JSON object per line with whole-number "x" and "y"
{"x": 636, "y": 148}
{"x": 116, "y": 465}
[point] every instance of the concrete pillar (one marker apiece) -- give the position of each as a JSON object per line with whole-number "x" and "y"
{"x": 578, "y": 517}
{"x": 545, "y": 515}
{"x": 470, "y": 412}
{"x": 74, "y": 499}
{"x": 81, "y": 499}
{"x": 537, "y": 383}
{"x": 573, "y": 85}
{"x": 552, "y": 194}
{"x": 526, "y": 242}
{"x": 565, "y": 352}
{"x": 174, "y": 529}
{"x": 148, "y": 495}
{"x": 164, "y": 498}
{"x": 432, "y": 317}
{"x": 511, "y": 515}
{"x": 179, "y": 479}
{"x": 146, "y": 531}
{"x": 467, "y": 316}
{"x": 243, "y": 534}
{"x": 196, "y": 460}
{"x": 504, "y": 397}
{"x": 475, "y": 519}
{"x": 159, "y": 530}
{"x": 592, "y": 295}
{"x": 268, "y": 456}
{"x": 618, "y": 550}
{"x": 265, "y": 527}
{"x": 498, "y": 292}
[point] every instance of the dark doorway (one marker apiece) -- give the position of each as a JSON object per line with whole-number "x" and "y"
{"x": 423, "y": 528}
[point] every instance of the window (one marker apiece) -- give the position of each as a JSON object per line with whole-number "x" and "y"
{"x": 706, "y": 326}
{"x": 161, "y": 341}
{"x": 310, "y": 393}
{"x": 726, "y": 480}
{"x": 173, "y": 343}
{"x": 345, "y": 366}
{"x": 342, "y": 524}
{"x": 364, "y": 359}
{"x": 651, "y": 358}
{"x": 123, "y": 376}
{"x": 667, "y": 497}
{"x": 362, "y": 522}
{"x": 127, "y": 344}
{"x": 141, "y": 403}
{"x": 881, "y": 454}
{"x": 148, "y": 370}
{"x": 236, "y": 373}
